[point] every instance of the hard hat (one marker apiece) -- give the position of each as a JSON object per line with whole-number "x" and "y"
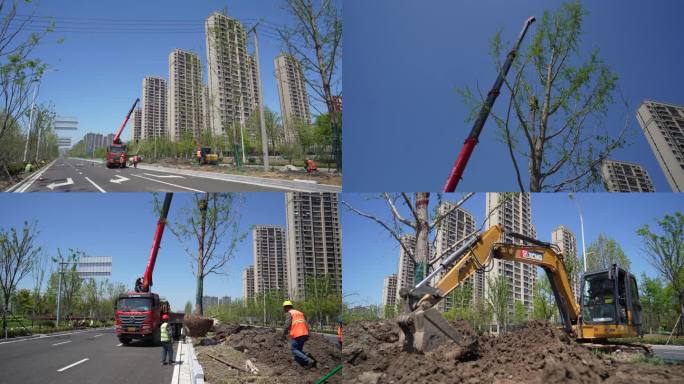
{"x": 287, "y": 303}
{"x": 165, "y": 317}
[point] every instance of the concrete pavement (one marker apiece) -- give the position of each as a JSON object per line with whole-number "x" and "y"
{"x": 76, "y": 175}
{"x": 94, "y": 356}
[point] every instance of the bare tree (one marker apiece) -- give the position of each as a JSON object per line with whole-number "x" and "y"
{"x": 422, "y": 224}
{"x": 554, "y": 118}
{"x": 212, "y": 223}
{"x": 315, "y": 41}
{"x": 18, "y": 252}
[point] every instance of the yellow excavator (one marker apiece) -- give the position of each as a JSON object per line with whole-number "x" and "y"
{"x": 609, "y": 304}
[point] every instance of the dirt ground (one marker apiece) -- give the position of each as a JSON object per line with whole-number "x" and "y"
{"x": 538, "y": 353}
{"x": 320, "y": 177}
{"x": 268, "y": 352}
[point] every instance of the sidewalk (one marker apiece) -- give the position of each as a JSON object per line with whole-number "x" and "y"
{"x": 189, "y": 371}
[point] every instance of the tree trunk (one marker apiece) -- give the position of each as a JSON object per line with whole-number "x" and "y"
{"x": 422, "y": 251}
{"x": 200, "y": 255}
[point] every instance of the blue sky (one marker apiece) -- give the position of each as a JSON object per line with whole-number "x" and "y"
{"x": 404, "y": 60}
{"x": 98, "y": 75}
{"x": 370, "y": 253}
{"x": 86, "y": 221}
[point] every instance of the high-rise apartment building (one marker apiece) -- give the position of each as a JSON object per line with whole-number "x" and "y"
{"x": 186, "y": 112}
{"x": 314, "y": 248}
{"x": 663, "y": 125}
{"x": 389, "y": 291}
{"x": 566, "y": 242}
{"x": 248, "y": 283}
{"x": 452, "y": 229}
{"x": 154, "y": 108}
{"x": 136, "y": 124}
{"x": 230, "y": 78}
{"x": 294, "y": 100}
{"x": 210, "y": 301}
{"x": 514, "y": 213}
{"x": 406, "y": 270}
{"x": 270, "y": 261}
{"x": 621, "y": 176}
{"x": 255, "y": 81}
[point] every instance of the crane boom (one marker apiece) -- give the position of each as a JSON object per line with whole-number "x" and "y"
{"x": 117, "y": 138}
{"x": 144, "y": 284}
{"x": 472, "y": 139}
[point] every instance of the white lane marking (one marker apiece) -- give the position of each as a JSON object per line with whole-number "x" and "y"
{"x": 120, "y": 344}
{"x": 96, "y": 186}
{"x": 63, "y": 342}
{"x": 119, "y": 179}
{"x": 34, "y": 178}
{"x": 55, "y": 335}
{"x": 176, "y": 367}
{"x": 164, "y": 182}
{"x": 68, "y": 181}
{"x": 164, "y": 176}
{"x": 72, "y": 365}
{"x": 98, "y": 335}
{"x": 80, "y": 173}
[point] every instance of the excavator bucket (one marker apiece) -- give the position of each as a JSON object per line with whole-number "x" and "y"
{"x": 425, "y": 330}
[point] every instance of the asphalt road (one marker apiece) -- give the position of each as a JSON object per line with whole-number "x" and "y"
{"x": 71, "y": 175}
{"x": 669, "y": 352}
{"x": 51, "y": 360}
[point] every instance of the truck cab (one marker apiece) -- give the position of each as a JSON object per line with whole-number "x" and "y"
{"x": 114, "y": 157}
{"x": 137, "y": 315}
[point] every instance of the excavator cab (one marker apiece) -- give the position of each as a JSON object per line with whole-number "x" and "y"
{"x": 610, "y": 304}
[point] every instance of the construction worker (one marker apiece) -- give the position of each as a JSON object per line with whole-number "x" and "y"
{"x": 298, "y": 331}
{"x": 136, "y": 160}
{"x": 339, "y": 332}
{"x": 311, "y": 166}
{"x": 199, "y": 156}
{"x": 166, "y": 338}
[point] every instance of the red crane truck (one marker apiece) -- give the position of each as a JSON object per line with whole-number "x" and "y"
{"x": 116, "y": 152}
{"x": 138, "y": 314}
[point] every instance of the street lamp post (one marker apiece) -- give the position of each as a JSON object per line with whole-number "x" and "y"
{"x": 33, "y": 103}
{"x": 584, "y": 250}
{"x": 262, "y": 123}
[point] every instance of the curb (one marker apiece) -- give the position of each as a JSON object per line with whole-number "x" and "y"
{"x": 30, "y": 180}
{"x": 196, "y": 370}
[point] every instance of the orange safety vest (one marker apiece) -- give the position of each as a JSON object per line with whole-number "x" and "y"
{"x": 339, "y": 333}
{"x": 298, "y": 327}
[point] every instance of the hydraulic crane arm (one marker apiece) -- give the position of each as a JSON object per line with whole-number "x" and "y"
{"x": 423, "y": 326}
{"x": 146, "y": 282}
{"x": 472, "y": 139}
{"x": 117, "y": 138}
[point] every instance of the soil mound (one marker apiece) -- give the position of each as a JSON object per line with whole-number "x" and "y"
{"x": 538, "y": 353}
{"x": 266, "y": 347}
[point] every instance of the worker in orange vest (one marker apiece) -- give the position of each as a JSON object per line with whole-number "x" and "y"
{"x": 298, "y": 331}
{"x": 311, "y": 166}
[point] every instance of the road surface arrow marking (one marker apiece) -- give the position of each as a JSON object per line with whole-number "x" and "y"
{"x": 164, "y": 176}
{"x": 68, "y": 181}
{"x": 119, "y": 179}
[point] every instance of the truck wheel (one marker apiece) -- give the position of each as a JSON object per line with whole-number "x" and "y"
{"x": 124, "y": 340}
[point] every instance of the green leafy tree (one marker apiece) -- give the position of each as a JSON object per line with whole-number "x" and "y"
{"x": 499, "y": 296}
{"x": 544, "y": 302}
{"x": 188, "y": 308}
{"x": 22, "y": 302}
{"x": 315, "y": 40}
{"x": 519, "y": 313}
{"x": 209, "y": 231}
{"x": 482, "y": 315}
{"x": 665, "y": 251}
{"x": 323, "y": 299}
{"x": 559, "y": 96}
{"x": 604, "y": 252}
{"x": 18, "y": 252}
{"x": 657, "y": 303}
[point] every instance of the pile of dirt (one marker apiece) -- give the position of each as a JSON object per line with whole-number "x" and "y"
{"x": 538, "y": 353}
{"x": 197, "y": 326}
{"x": 266, "y": 349}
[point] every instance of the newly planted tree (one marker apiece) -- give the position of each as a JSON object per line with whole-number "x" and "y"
{"x": 559, "y": 95}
